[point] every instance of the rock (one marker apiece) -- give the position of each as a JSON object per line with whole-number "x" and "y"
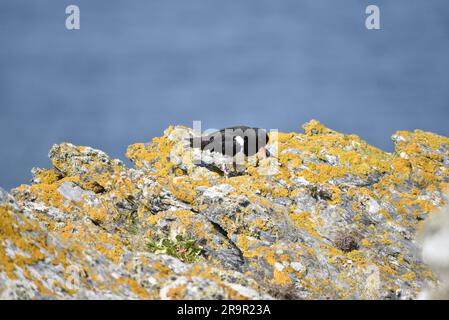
{"x": 330, "y": 217}
{"x": 434, "y": 238}
{"x": 72, "y": 192}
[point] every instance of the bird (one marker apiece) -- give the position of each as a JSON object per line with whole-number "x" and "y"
{"x": 232, "y": 141}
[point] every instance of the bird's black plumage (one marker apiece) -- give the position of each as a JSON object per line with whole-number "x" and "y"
{"x": 232, "y": 140}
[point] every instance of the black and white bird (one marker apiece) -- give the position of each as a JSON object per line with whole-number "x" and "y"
{"x": 232, "y": 141}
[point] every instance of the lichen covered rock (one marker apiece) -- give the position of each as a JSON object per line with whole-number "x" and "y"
{"x": 330, "y": 217}
{"x": 434, "y": 237}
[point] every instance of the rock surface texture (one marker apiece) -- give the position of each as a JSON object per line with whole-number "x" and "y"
{"x": 330, "y": 217}
{"x": 434, "y": 238}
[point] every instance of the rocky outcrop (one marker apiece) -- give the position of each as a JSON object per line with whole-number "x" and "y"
{"x": 434, "y": 237}
{"x": 330, "y": 217}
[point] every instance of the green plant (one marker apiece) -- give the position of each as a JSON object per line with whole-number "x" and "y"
{"x": 184, "y": 249}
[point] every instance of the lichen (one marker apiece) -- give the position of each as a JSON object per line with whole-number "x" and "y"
{"x": 278, "y": 230}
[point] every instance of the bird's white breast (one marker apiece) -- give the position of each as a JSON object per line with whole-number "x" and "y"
{"x": 240, "y": 140}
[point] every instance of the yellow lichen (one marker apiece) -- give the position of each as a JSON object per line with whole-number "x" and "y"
{"x": 281, "y": 278}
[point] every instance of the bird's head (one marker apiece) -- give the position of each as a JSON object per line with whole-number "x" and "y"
{"x": 267, "y": 152}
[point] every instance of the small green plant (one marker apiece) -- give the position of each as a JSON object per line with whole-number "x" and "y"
{"x": 184, "y": 249}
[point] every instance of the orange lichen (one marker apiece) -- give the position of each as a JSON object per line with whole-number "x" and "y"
{"x": 344, "y": 177}
{"x": 48, "y": 176}
{"x": 177, "y": 292}
{"x": 305, "y": 220}
{"x": 281, "y": 278}
{"x": 11, "y": 230}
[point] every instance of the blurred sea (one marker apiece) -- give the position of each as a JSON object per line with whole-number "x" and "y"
{"x": 136, "y": 67}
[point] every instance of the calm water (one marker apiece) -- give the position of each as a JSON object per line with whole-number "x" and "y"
{"x": 136, "y": 67}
